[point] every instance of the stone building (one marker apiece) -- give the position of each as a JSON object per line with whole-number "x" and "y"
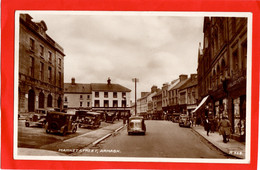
{"x": 41, "y": 68}
{"x": 222, "y": 64}
{"x": 188, "y": 95}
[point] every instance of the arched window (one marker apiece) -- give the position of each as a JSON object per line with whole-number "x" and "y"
{"x": 41, "y": 100}
{"x": 31, "y": 100}
{"x": 49, "y": 101}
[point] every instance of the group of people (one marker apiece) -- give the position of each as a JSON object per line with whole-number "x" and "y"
{"x": 224, "y": 127}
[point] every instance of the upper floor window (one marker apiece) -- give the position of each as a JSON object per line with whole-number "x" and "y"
{"x": 235, "y": 60}
{"x": 66, "y": 99}
{"x": 49, "y": 74}
{"x": 96, "y": 104}
{"x": 31, "y": 70}
{"x": 88, "y": 96}
{"x": 115, "y": 94}
{"x": 106, "y": 103}
{"x": 81, "y": 97}
{"x": 123, "y": 95}
{"x": 41, "y": 51}
{"x": 59, "y": 62}
{"x": 106, "y": 94}
{"x": 50, "y": 56}
{"x": 41, "y": 71}
{"x": 115, "y": 103}
{"x": 96, "y": 94}
{"x": 59, "y": 78}
{"x": 80, "y": 104}
{"x": 31, "y": 44}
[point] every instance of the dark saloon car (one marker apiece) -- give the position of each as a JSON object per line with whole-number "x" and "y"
{"x": 184, "y": 121}
{"x": 59, "y": 122}
{"x": 136, "y": 125}
{"x": 88, "y": 119}
{"x": 37, "y": 118}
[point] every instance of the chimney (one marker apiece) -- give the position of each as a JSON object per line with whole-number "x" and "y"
{"x": 154, "y": 89}
{"x": 183, "y": 77}
{"x": 108, "y": 81}
{"x": 73, "y": 81}
{"x": 193, "y": 77}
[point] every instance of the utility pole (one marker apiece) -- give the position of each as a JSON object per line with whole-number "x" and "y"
{"x": 135, "y": 80}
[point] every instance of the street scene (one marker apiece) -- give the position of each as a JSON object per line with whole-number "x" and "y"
{"x": 132, "y": 85}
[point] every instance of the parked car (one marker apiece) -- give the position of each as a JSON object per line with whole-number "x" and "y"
{"x": 184, "y": 121}
{"x": 37, "y": 118}
{"x": 59, "y": 122}
{"x": 110, "y": 117}
{"x": 88, "y": 119}
{"x": 136, "y": 125}
{"x": 175, "y": 117}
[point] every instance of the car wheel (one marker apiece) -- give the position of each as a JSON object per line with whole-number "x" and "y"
{"x": 48, "y": 131}
{"x": 27, "y": 124}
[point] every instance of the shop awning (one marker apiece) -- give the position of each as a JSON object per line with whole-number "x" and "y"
{"x": 201, "y": 103}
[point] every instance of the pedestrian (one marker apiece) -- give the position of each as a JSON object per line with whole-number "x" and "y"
{"x": 225, "y": 128}
{"x": 207, "y": 125}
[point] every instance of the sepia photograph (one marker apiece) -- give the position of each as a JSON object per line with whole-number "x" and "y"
{"x": 133, "y": 86}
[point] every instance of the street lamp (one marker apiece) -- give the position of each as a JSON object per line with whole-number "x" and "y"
{"x": 135, "y": 80}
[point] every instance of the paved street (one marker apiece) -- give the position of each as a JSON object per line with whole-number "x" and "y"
{"x": 163, "y": 139}
{"x": 37, "y": 138}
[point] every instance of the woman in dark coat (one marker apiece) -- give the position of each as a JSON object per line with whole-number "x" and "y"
{"x": 225, "y": 129}
{"x": 207, "y": 125}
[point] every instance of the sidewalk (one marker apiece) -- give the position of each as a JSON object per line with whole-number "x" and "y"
{"x": 233, "y": 147}
{"x": 66, "y": 147}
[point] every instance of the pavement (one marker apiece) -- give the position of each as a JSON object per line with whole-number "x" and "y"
{"x": 233, "y": 147}
{"x": 81, "y": 141}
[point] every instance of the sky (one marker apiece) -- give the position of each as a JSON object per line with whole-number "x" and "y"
{"x": 153, "y": 47}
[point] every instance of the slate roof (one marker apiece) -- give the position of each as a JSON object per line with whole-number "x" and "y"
{"x": 179, "y": 84}
{"x": 77, "y": 88}
{"x": 109, "y": 87}
{"x": 88, "y": 88}
{"x": 189, "y": 83}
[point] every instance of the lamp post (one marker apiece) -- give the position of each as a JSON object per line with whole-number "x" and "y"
{"x": 135, "y": 80}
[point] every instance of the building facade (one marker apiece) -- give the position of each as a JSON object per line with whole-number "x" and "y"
{"x": 222, "y": 65}
{"x": 77, "y": 96}
{"x": 188, "y": 95}
{"x": 97, "y": 97}
{"x": 41, "y": 67}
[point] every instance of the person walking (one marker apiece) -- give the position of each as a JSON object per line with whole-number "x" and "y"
{"x": 225, "y": 128}
{"x": 207, "y": 125}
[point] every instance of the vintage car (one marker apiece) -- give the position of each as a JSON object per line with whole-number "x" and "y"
{"x": 184, "y": 121}
{"x": 136, "y": 125}
{"x": 110, "y": 117}
{"x": 59, "y": 122}
{"x": 37, "y": 118}
{"x": 175, "y": 117}
{"x": 88, "y": 119}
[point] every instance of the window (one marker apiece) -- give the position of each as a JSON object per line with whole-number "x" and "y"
{"x": 88, "y": 96}
{"x": 49, "y": 74}
{"x": 235, "y": 60}
{"x": 106, "y": 103}
{"x": 81, "y": 97}
{"x": 31, "y": 69}
{"x": 123, "y": 95}
{"x": 31, "y": 44}
{"x": 106, "y": 94}
{"x": 41, "y": 51}
{"x": 115, "y": 103}
{"x": 115, "y": 94}
{"x": 96, "y": 103}
{"x": 59, "y": 62}
{"x": 88, "y": 103}
{"x": 80, "y": 104}
{"x": 59, "y": 78}
{"x": 96, "y": 94}
{"x": 50, "y": 56}
{"x": 66, "y": 99}
{"x": 244, "y": 55}
{"x": 42, "y": 71}
{"x": 123, "y": 103}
